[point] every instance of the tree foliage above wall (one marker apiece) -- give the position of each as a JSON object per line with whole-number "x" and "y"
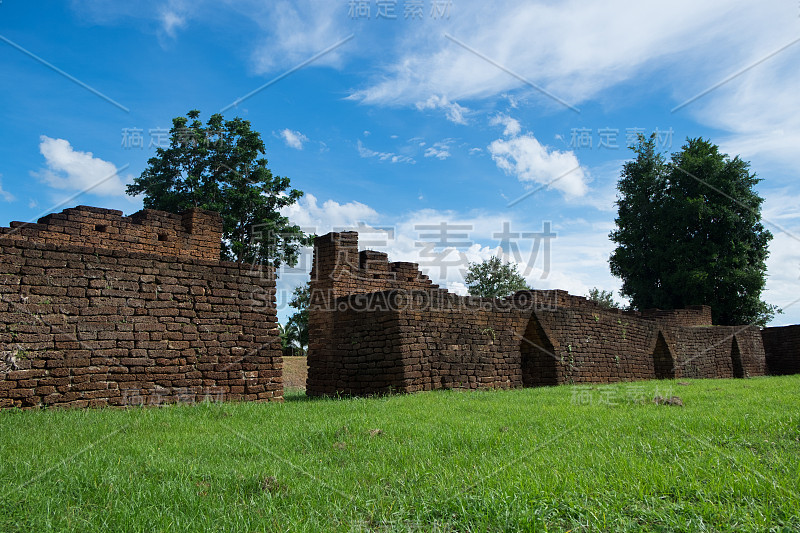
{"x": 218, "y": 166}
{"x": 494, "y": 278}
{"x": 689, "y": 232}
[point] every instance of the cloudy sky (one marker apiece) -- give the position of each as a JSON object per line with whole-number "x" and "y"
{"x": 446, "y": 131}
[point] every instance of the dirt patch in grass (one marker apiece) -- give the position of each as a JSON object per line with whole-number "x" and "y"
{"x": 295, "y": 370}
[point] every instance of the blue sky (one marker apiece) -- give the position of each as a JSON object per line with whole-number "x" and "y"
{"x": 406, "y": 115}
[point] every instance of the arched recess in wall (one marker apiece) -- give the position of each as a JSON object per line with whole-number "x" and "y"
{"x": 539, "y": 362}
{"x": 663, "y": 361}
{"x": 736, "y": 360}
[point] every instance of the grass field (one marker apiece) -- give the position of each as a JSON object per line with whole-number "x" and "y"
{"x": 601, "y": 458}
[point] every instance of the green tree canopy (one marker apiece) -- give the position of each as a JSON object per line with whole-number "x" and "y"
{"x": 689, "y": 232}
{"x": 218, "y": 166}
{"x": 493, "y": 278}
{"x": 603, "y": 298}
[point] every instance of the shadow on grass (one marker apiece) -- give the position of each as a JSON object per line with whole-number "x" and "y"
{"x": 297, "y": 395}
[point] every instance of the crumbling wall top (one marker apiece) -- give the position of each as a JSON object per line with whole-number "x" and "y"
{"x": 194, "y": 234}
{"x": 341, "y": 268}
{"x": 691, "y": 316}
{"x": 344, "y": 270}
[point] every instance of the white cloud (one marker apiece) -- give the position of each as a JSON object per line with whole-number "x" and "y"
{"x": 297, "y": 30}
{"x": 293, "y": 139}
{"x": 457, "y": 287}
{"x": 513, "y": 101}
{"x": 759, "y": 109}
{"x": 572, "y": 49}
{"x": 783, "y": 275}
{"x": 454, "y": 112}
{"x": 171, "y": 21}
{"x": 512, "y": 126}
{"x": 391, "y": 157}
{"x": 781, "y": 215}
{"x": 5, "y": 195}
{"x": 170, "y": 16}
{"x": 440, "y": 150}
{"x": 529, "y": 161}
{"x": 781, "y": 205}
{"x": 69, "y": 169}
{"x": 577, "y": 260}
{"x": 320, "y": 219}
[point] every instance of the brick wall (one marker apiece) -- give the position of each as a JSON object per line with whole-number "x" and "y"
{"x": 376, "y": 333}
{"x": 194, "y": 234}
{"x": 339, "y": 270}
{"x": 129, "y": 317}
{"x": 782, "y": 345}
{"x": 694, "y": 315}
{"x": 597, "y": 345}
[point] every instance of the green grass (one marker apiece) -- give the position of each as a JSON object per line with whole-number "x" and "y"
{"x": 553, "y": 459}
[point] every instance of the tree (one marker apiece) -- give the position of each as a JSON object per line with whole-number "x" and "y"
{"x": 493, "y": 278}
{"x": 289, "y": 339}
{"x": 217, "y": 166}
{"x": 689, "y": 232}
{"x": 298, "y": 321}
{"x": 603, "y": 298}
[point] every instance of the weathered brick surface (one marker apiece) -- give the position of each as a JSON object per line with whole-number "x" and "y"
{"x": 374, "y": 332}
{"x": 143, "y": 313}
{"x": 339, "y": 270}
{"x": 193, "y": 234}
{"x": 783, "y": 349}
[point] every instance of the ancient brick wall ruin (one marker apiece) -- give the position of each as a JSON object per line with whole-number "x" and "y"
{"x": 100, "y": 309}
{"x": 597, "y": 345}
{"x": 782, "y": 345}
{"x": 194, "y": 234}
{"x": 339, "y": 269}
{"x": 380, "y": 328}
